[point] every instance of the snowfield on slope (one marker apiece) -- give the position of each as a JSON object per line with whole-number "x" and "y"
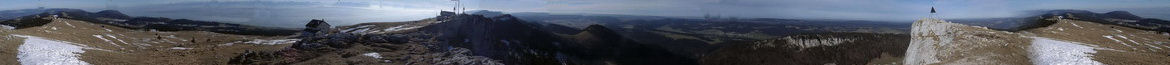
{"x": 273, "y": 42}
{"x": 40, "y": 51}
{"x": 6, "y": 27}
{"x": 1047, "y": 51}
{"x": 374, "y": 54}
{"x": 371, "y": 29}
{"x": 264, "y": 42}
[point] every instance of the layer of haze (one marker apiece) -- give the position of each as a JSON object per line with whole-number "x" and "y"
{"x": 290, "y": 13}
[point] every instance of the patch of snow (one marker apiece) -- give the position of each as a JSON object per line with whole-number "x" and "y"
{"x": 1155, "y": 47}
{"x": 1046, "y": 51}
{"x": 1075, "y": 24}
{"x": 1118, "y": 41}
{"x": 70, "y": 25}
{"x": 231, "y": 43}
{"x": 108, "y": 30}
{"x": 373, "y": 54}
{"x": 174, "y": 37}
{"x": 1126, "y": 38}
{"x": 272, "y": 42}
{"x": 116, "y": 38}
{"x": 40, "y": 51}
{"x": 6, "y": 27}
{"x": 180, "y": 48}
{"x": 1116, "y": 30}
{"x": 362, "y": 28}
{"x": 400, "y": 27}
{"x": 47, "y": 31}
{"x": 107, "y": 40}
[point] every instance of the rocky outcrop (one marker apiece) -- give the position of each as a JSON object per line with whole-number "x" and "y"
{"x": 497, "y": 38}
{"x": 813, "y": 49}
{"x": 935, "y": 41}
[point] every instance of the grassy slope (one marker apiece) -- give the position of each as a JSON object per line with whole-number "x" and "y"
{"x": 135, "y": 46}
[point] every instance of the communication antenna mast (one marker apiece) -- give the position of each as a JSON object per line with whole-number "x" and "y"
{"x": 456, "y": 7}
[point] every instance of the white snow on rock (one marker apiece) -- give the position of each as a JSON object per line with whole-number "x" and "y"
{"x": 6, "y": 27}
{"x": 180, "y": 48}
{"x": 358, "y": 29}
{"x": 107, "y": 40}
{"x": 1119, "y": 41}
{"x": 272, "y": 42}
{"x": 400, "y": 27}
{"x": 70, "y": 25}
{"x": 116, "y": 38}
{"x": 1046, "y": 51}
{"x": 1075, "y": 24}
{"x": 370, "y": 29}
{"x": 373, "y": 54}
{"x": 1127, "y": 38}
{"x": 40, "y": 51}
{"x": 108, "y": 30}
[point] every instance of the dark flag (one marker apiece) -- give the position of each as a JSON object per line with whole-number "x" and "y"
{"x": 931, "y": 9}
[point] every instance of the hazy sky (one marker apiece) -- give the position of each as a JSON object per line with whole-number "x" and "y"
{"x": 405, "y": 10}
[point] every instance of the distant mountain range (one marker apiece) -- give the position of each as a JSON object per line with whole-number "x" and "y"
{"x": 685, "y": 36}
{"x": 113, "y": 17}
{"x": 501, "y": 37}
{"x": 1120, "y": 18}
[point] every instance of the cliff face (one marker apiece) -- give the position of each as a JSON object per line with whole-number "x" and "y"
{"x": 813, "y": 49}
{"x": 935, "y": 41}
